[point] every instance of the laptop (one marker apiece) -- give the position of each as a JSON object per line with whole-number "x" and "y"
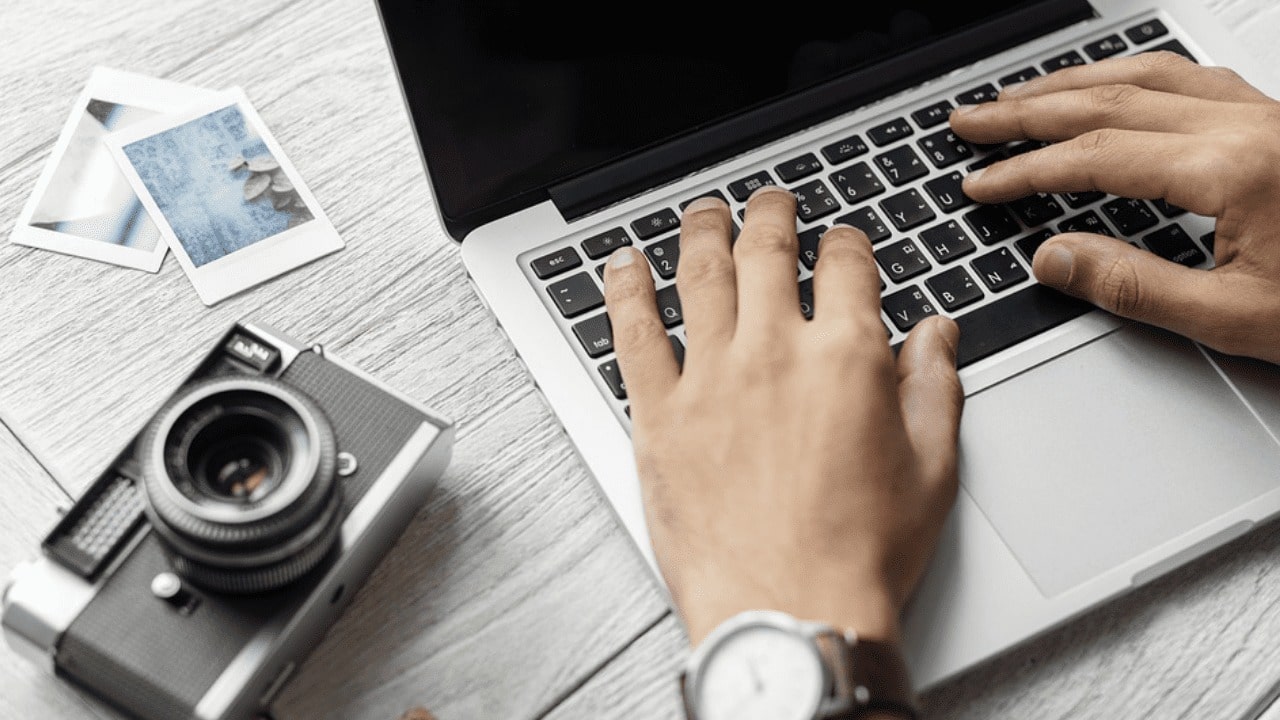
{"x": 1095, "y": 454}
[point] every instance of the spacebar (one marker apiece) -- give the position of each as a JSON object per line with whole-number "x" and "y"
{"x": 1030, "y": 311}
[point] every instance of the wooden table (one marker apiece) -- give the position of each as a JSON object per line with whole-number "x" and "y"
{"x": 514, "y": 594}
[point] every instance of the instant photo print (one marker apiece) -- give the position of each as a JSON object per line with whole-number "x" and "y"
{"x": 223, "y": 195}
{"x": 82, "y": 204}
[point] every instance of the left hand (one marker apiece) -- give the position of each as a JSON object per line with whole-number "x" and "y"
{"x": 793, "y": 466}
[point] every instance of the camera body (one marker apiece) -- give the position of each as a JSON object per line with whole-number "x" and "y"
{"x": 195, "y": 573}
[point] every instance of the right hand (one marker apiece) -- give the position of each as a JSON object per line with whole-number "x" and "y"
{"x": 1151, "y": 126}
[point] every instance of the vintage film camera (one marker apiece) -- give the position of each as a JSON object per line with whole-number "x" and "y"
{"x": 194, "y": 575}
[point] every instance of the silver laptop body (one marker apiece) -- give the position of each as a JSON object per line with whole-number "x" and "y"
{"x": 1095, "y": 455}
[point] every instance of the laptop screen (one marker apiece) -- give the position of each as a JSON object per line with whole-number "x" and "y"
{"x": 509, "y": 98}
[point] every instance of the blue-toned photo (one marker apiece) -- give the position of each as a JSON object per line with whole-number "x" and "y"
{"x": 217, "y": 184}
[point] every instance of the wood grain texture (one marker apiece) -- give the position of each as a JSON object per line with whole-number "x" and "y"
{"x": 30, "y": 502}
{"x": 515, "y": 583}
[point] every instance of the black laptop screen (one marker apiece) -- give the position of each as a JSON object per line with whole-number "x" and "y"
{"x": 509, "y": 98}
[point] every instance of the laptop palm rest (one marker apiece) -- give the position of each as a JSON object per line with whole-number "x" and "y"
{"x": 1132, "y": 440}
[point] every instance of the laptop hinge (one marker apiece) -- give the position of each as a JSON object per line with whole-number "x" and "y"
{"x": 688, "y": 153}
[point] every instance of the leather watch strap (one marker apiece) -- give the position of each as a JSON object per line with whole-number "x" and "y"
{"x": 876, "y": 680}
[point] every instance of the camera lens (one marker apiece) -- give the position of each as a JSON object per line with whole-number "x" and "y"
{"x": 239, "y": 473}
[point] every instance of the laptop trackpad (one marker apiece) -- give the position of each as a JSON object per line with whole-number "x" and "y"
{"x": 1108, "y": 451}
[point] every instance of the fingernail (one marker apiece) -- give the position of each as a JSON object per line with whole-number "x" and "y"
{"x": 963, "y": 109}
{"x": 846, "y": 226}
{"x": 975, "y": 175}
{"x": 705, "y": 203}
{"x": 766, "y": 190}
{"x": 929, "y": 333}
{"x": 1054, "y": 266}
{"x": 622, "y": 257}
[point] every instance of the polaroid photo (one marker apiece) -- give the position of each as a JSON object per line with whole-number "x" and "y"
{"x": 82, "y": 204}
{"x": 228, "y": 202}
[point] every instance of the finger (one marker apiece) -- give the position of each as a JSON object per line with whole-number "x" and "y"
{"x": 766, "y": 256}
{"x": 1128, "y": 163}
{"x": 1066, "y": 114}
{"x": 645, "y": 357}
{"x": 705, "y": 275}
{"x": 1162, "y": 71}
{"x": 1140, "y": 285}
{"x": 932, "y": 398}
{"x": 846, "y": 284}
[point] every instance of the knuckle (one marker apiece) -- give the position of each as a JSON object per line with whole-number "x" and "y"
{"x": 768, "y": 240}
{"x": 1224, "y": 74}
{"x": 1096, "y": 142}
{"x": 637, "y": 330}
{"x": 1162, "y": 62}
{"x": 700, "y": 269}
{"x": 1109, "y": 98}
{"x": 1117, "y": 288}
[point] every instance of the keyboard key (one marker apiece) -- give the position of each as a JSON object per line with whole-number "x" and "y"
{"x": 901, "y": 165}
{"x": 907, "y": 210}
{"x": 1173, "y": 46}
{"x": 1130, "y": 216}
{"x": 1031, "y": 243}
{"x": 1065, "y": 60}
{"x": 954, "y": 288}
{"x": 1022, "y": 75}
{"x": 856, "y": 182}
{"x": 991, "y": 223}
{"x": 902, "y": 260}
{"x": 1106, "y": 47}
{"x": 1207, "y": 240}
{"x": 946, "y": 192}
{"x": 669, "y": 308}
{"x": 809, "y": 245}
{"x": 597, "y": 246}
{"x": 1173, "y": 243}
{"x": 947, "y": 242}
{"x": 895, "y": 129}
{"x": 907, "y": 307}
{"x": 1080, "y": 199}
{"x": 655, "y": 224}
{"x": 806, "y": 298}
{"x": 999, "y": 270}
{"x": 710, "y": 193}
{"x": 1168, "y": 210}
{"x": 799, "y": 167}
{"x": 600, "y": 270}
{"x": 595, "y": 334}
{"x": 866, "y": 220}
{"x": 1036, "y": 209}
{"x": 1088, "y": 222}
{"x": 980, "y": 94}
{"x": 613, "y": 378}
{"x": 935, "y": 114}
{"x": 841, "y": 150}
{"x": 575, "y": 295}
{"x": 943, "y": 148}
{"x": 742, "y": 189}
{"x": 814, "y": 200}
{"x": 677, "y": 347}
{"x": 554, "y": 263}
{"x": 1146, "y": 32}
{"x": 1010, "y": 320}
{"x": 665, "y": 256}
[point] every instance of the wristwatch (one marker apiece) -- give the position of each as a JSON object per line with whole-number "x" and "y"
{"x": 767, "y": 665}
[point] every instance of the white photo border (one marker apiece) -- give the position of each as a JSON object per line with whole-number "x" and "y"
{"x": 123, "y": 88}
{"x": 251, "y": 265}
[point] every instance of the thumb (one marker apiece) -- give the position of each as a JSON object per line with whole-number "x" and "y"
{"x": 1136, "y": 284}
{"x": 931, "y": 397}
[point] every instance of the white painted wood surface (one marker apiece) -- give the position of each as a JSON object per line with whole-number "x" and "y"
{"x": 513, "y": 594}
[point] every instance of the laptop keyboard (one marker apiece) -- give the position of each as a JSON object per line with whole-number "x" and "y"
{"x": 898, "y": 180}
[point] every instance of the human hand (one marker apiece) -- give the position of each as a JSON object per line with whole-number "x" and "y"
{"x": 794, "y": 465}
{"x": 1151, "y": 126}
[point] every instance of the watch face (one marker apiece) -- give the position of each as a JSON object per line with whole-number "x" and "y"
{"x": 761, "y": 673}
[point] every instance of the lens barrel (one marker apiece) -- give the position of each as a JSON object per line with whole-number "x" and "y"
{"x": 240, "y": 483}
